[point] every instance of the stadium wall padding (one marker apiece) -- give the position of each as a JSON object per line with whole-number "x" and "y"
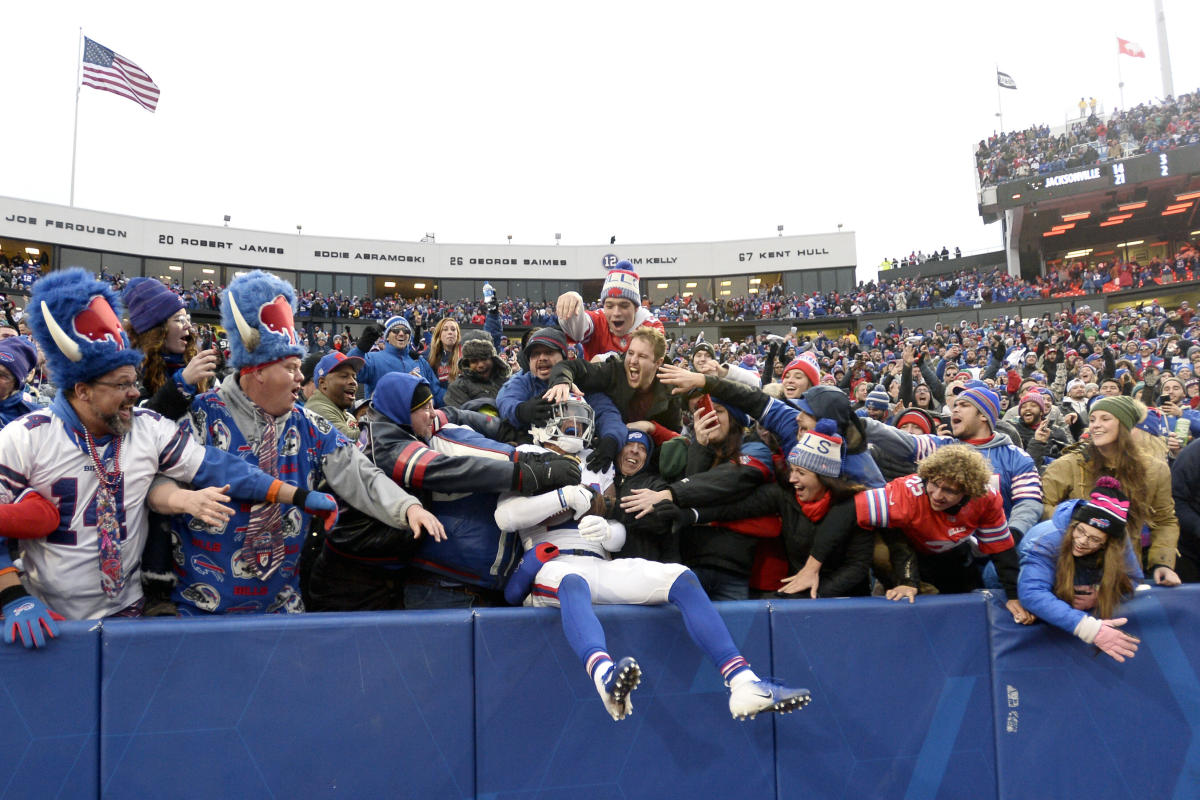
{"x": 944, "y": 698}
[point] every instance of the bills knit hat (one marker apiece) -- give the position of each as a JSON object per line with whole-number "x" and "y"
{"x": 916, "y": 416}
{"x": 18, "y": 356}
{"x": 1106, "y": 508}
{"x": 622, "y": 282}
{"x": 985, "y": 400}
{"x": 806, "y": 363}
{"x": 819, "y": 450}
{"x": 637, "y": 437}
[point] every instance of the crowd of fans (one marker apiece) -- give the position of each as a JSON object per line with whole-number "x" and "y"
{"x": 1145, "y": 128}
{"x": 1052, "y": 459}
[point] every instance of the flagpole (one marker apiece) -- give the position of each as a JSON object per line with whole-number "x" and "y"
{"x": 999, "y": 102}
{"x": 75, "y": 134}
{"x": 1120, "y": 79}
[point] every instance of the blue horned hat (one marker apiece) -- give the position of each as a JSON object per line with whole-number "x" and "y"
{"x": 257, "y": 312}
{"x": 76, "y": 321}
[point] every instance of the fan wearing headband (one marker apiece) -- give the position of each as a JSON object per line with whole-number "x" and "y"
{"x": 1077, "y": 567}
{"x": 568, "y": 563}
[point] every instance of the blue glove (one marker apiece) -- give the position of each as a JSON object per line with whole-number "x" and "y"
{"x": 324, "y": 506}
{"x": 522, "y": 578}
{"x": 27, "y": 618}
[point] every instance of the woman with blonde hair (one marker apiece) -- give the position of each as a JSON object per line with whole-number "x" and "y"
{"x": 1080, "y": 561}
{"x": 1113, "y": 450}
{"x": 445, "y": 351}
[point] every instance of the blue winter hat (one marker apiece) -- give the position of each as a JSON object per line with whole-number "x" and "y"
{"x": 18, "y": 356}
{"x": 638, "y": 437}
{"x": 737, "y": 416}
{"x": 879, "y": 400}
{"x": 76, "y": 322}
{"x": 257, "y": 313}
{"x": 397, "y": 393}
{"x": 149, "y": 303}
{"x": 985, "y": 400}
{"x": 394, "y": 321}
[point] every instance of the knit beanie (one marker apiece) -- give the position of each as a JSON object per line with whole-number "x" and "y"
{"x": 916, "y": 416}
{"x": 1105, "y": 509}
{"x": 18, "y": 356}
{"x": 985, "y": 400}
{"x": 394, "y": 321}
{"x": 638, "y": 437}
{"x": 819, "y": 450}
{"x": 1123, "y": 408}
{"x": 806, "y": 363}
{"x": 149, "y": 303}
{"x": 622, "y": 282}
{"x": 879, "y": 400}
{"x": 1035, "y": 397}
{"x": 477, "y": 348}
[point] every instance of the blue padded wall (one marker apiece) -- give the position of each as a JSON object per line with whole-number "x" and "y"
{"x": 353, "y": 705}
{"x": 946, "y": 698}
{"x": 901, "y": 699}
{"x": 543, "y": 729}
{"x": 1073, "y": 722}
{"x": 49, "y": 715}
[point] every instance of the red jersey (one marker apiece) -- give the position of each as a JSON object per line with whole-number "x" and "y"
{"x": 591, "y": 330}
{"x": 902, "y": 504}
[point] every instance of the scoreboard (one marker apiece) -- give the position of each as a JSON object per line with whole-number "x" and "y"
{"x": 1130, "y": 171}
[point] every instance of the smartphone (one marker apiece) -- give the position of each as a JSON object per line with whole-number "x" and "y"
{"x": 1166, "y": 398}
{"x": 704, "y": 405}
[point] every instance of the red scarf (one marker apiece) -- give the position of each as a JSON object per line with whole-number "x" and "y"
{"x": 817, "y": 509}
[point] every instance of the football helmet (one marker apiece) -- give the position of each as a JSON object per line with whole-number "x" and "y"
{"x": 570, "y": 427}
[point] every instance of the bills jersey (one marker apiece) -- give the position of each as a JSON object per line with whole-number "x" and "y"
{"x": 591, "y": 330}
{"x": 561, "y": 529}
{"x": 902, "y": 504}
{"x": 42, "y": 452}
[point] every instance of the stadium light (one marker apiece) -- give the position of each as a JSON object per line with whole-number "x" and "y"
{"x": 1171, "y": 211}
{"x": 175, "y": 268}
{"x": 209, "y": 271}
{"x": 418, "y": 286}
{"x": 33, "y": 251}
{"x": 389, "y": 284}
{"x": 1076, "y": 216}
{"x": 1131, "y": 206}
{"x": 660, "y": 286}
{"x": 510, "y": 238}
{"x": 298, "y": 227}
{"x": 227, "y": 218}
{"x": 1112, "y": 222}
{"x": 1065, "y": 227}
{"x": 691, "y": 285}
{"x": 1119, "y": 217}
{"x": 1177, "y": 206}
{"x": 1078, "y": 253}
{"x": 1134, "y": 243}
{"x": 1052, "y": 233}
{"x": 557, "y": 238}
{"x": 1179, "y": 198}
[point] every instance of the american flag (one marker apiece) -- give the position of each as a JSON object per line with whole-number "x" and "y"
{"x": 103, "y": 69}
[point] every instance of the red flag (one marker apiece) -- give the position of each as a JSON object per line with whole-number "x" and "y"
{"x": 1128, "y": 48}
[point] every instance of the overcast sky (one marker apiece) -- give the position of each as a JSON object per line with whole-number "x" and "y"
{"x": 654, "y": 122}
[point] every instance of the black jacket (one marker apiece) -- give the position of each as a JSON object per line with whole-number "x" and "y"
{"x": 609, "y": 377}
{"x": 843, "y": 548}
{"x": 650, "y": 537}
{"x": 1185, "y": 478}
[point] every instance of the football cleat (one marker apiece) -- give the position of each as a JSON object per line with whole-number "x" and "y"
{"x": 750, "y": 699}
{"x": 617, "y": 686}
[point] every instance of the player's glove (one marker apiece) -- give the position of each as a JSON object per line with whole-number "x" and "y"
{"x": 577, "y": 498}
{"x": 27, "y": 618}
{"x": 318, "y": 504}
{"x": 535, "y": 411}
{"x": 522, "y": 578}
{"x": 603, "y": 454}
{"x": 593, "y": 528}
{"x": 534, "y": 476}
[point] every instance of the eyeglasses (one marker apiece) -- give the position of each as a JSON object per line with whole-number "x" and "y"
{"x": 1090, "y": 538}
{"x": 123, "y": 388}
